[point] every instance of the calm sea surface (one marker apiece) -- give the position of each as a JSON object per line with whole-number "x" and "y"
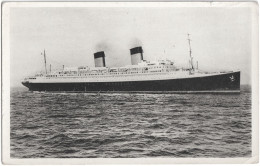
{"x": 87, "y": 125}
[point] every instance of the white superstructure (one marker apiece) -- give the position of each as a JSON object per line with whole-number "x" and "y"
{"x": 145, "y": 70}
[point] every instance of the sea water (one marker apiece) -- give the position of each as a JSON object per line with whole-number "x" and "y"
{"x": 115, "y": 125}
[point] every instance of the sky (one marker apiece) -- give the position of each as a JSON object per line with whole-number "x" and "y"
{"x": 220, "y": 37}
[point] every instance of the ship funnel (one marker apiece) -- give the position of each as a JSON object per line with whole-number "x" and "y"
{"x": 100, "y": 59}
{"x": 136, "y": 55}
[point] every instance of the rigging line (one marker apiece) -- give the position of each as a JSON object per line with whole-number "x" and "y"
{"x": 54, "y": 61}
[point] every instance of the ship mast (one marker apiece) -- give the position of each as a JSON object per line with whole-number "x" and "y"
{"x": 45, "y": 61}
{"x": 191, "y": 58}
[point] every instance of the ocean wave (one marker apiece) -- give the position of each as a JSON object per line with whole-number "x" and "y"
{"x": 91, "y": 125}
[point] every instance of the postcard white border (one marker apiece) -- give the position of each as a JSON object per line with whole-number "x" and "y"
{"x": 50, "y": 161}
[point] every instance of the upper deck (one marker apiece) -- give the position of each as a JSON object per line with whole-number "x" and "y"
{"x": 160, "y": 70}
{"x": 160, "y": 66}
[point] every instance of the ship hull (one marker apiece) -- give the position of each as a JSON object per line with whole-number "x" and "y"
{"x": 212, "y": 83}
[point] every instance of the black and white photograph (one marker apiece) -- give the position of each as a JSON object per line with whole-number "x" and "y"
{"x": 129, "y": 82}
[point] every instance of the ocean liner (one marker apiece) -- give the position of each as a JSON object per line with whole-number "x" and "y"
{"x": 141, "y": 75}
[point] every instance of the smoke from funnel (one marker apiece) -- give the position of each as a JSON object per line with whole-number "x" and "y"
{"x": 135, "y": 42}
{"x": 102, "y": 46}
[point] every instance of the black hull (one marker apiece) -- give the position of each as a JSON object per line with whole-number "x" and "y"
{"x": 222, "y": 82}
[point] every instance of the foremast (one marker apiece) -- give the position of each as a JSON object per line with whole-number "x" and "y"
{"x": 191, "y": 58}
